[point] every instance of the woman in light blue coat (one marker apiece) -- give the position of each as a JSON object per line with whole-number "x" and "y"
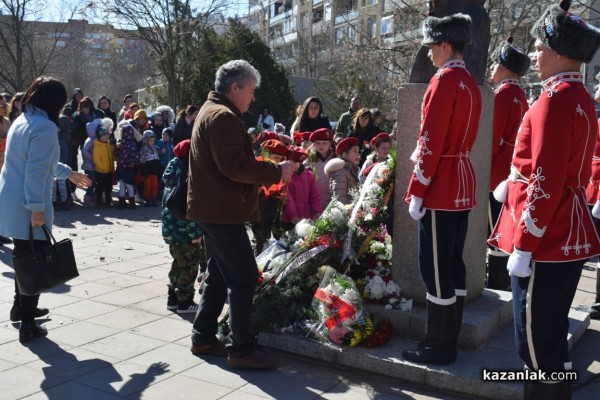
{"x": 26, "y": 183}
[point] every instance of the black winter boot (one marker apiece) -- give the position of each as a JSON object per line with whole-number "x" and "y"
{"x": 121, "y": 204}
{"x": 132, "y": 204}
{"x": 28, "y": 329}
{"x": 537, "y": 390}
{"x": 172, "y": 299}
{"x": 439, "y": 345}
{"x": 15, "y": 311}
{"x": 498, "y": 277}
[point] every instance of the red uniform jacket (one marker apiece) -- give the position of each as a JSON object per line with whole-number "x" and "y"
{"x": 545, "y": 212}
{"x": 443, "y": 175}
{"x": 593, "y": 192}
{"x": 510, "y": 105}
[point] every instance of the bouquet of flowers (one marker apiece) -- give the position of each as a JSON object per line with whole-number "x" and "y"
{"x": 339, "y": 306}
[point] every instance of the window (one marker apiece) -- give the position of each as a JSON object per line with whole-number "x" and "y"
{"x": 327, "y": 12}
{"x": 371, "y": 2}
{"x": 339, "y": 35}
{"x": 371, "y": 27}
{"x": 351, "y": 33}
{"x": 387, "y": 25}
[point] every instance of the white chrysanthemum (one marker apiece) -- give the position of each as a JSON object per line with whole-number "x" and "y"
{"x": 369, "y": 217}
{"x": 350, "y": 297}
{"x": 303, "y": 228}
{"x": 392, "y": 288}
{"x": 375, "y": 287}
{"x": 377, "y": 247}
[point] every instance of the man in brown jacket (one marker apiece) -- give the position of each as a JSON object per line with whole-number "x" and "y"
{"x": 223, "y": 186}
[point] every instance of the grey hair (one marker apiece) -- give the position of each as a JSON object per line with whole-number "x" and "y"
{"x": 240, "y": 71}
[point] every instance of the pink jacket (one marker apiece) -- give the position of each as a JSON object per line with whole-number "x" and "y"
{"x": 303, "y": 198}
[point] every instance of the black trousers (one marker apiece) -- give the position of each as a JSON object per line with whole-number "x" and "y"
{"x": 27, "y": 304}
{"x": 442, "y": 237}
{"x": 231, "y": 271}
{"x": 104, "y": 187}
{"x": 541, "y": 305}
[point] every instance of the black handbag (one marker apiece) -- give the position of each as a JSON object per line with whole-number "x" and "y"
{"x": 46, "y": 266}
{"x": 177, "y": 198}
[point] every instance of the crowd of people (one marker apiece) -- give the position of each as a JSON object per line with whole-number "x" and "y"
{"x": 544, "y": 158}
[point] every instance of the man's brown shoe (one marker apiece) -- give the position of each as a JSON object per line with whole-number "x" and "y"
{"x": 216, "y": 348}
{"x": 258, "y": 359}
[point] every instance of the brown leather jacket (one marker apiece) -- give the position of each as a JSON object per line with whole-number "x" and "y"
{"x": 224, "y": 176}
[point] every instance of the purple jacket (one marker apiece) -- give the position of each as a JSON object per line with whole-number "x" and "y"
{"x": 303, "y": 198}
{"x": 127, "y": 153}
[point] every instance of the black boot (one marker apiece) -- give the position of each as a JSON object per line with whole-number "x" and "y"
{"x": 121, "y": 204}
{"x": 172, "y": 300}
{"x": 498, "y": 277}
{"x": 132, "y": 203}
{"x": 15, "y": 311}
{"x": 29, "y": 331}
{"x": 536, "y": 390}
{"x": 460, "y": 305}
{"x": 439, "y": 345}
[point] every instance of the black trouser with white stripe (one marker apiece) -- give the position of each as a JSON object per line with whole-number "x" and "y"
{"x": 541, "y": 305}
{"x": 442, "y": 237}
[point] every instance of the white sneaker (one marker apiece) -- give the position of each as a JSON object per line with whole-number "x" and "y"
{"x": 74, "y": 196}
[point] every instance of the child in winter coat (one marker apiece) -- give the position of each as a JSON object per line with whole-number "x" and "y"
{"x": 60, "y": 191}
{"x": 89, "y": 199}
{"x": 127, "y": 162}
{"x": 321, "y": 152}
{"x": 150, "y": 167}
{"x": 184, "y": 238}
{"x": 165, "y": 153}
{"x": 382, "y": 144}
{"x": 104, "y": 165}
{"x": 269, "y": 198}
{"x": 302, "y": 198}
{"x": 343, "y": 171}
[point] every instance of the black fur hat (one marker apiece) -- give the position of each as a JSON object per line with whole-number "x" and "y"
{"x": 511, "y": 58}
{"x": 566, "y": 34}
{"x": 453, "y": 28}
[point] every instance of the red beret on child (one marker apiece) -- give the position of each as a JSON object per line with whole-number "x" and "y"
{"x": 321, "y": 134}
{"x": 380, "y": 138}
{"x": 296, "y": 153}
{"x": 274, "y": 147}
{"x": 182, "y": 148}
{"x": 267, "y": 135}
{"x": 345, "y": 145}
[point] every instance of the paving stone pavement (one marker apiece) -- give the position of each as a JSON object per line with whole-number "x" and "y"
{"x": 111, "y": 336}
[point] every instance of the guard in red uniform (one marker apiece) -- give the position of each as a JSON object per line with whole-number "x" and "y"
{"x": 593, "y": 196}
{"x": 544, "y": 224}
{"x": 442, "y": 188}
{"x": 509, "y": 64}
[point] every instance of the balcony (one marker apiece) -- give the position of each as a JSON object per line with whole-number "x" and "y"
{"x": 280, "y": 17}
{"x": 318, "y": 28}
{"x": 346, "y": 17}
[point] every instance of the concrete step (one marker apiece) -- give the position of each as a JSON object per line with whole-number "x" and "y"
{"x": 483, "y": 318}
{"x": 462, "y": 377}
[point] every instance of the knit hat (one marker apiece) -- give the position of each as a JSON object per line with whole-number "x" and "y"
{"x": 140, "y": 114}
{"x": 77, "y": 90}
{"x": 321, "y": 134}
{"x": 182, "y": 148}
{"x": 380, "y": 138}
{"x": 566, "y": 34}
{"x": 296, "y": 153}
{"x": 168, "y": 131}
{"x": 345, "y": 145}
{"x": 275, "y": 147}
{"x": 267, "y": 135}
{"x": 455, "y": 28}
{"x": 511, "y": 57}
{"x": 101, "y": 131}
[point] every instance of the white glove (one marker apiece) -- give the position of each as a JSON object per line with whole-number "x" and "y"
{"x": 415, "y": 208}
{"x": 501, "y": 191}
{"x": 518, "y": 264}
{"x": 596, "y": 210}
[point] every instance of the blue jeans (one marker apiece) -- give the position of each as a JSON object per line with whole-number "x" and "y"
{"x": 232, "y": 271}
